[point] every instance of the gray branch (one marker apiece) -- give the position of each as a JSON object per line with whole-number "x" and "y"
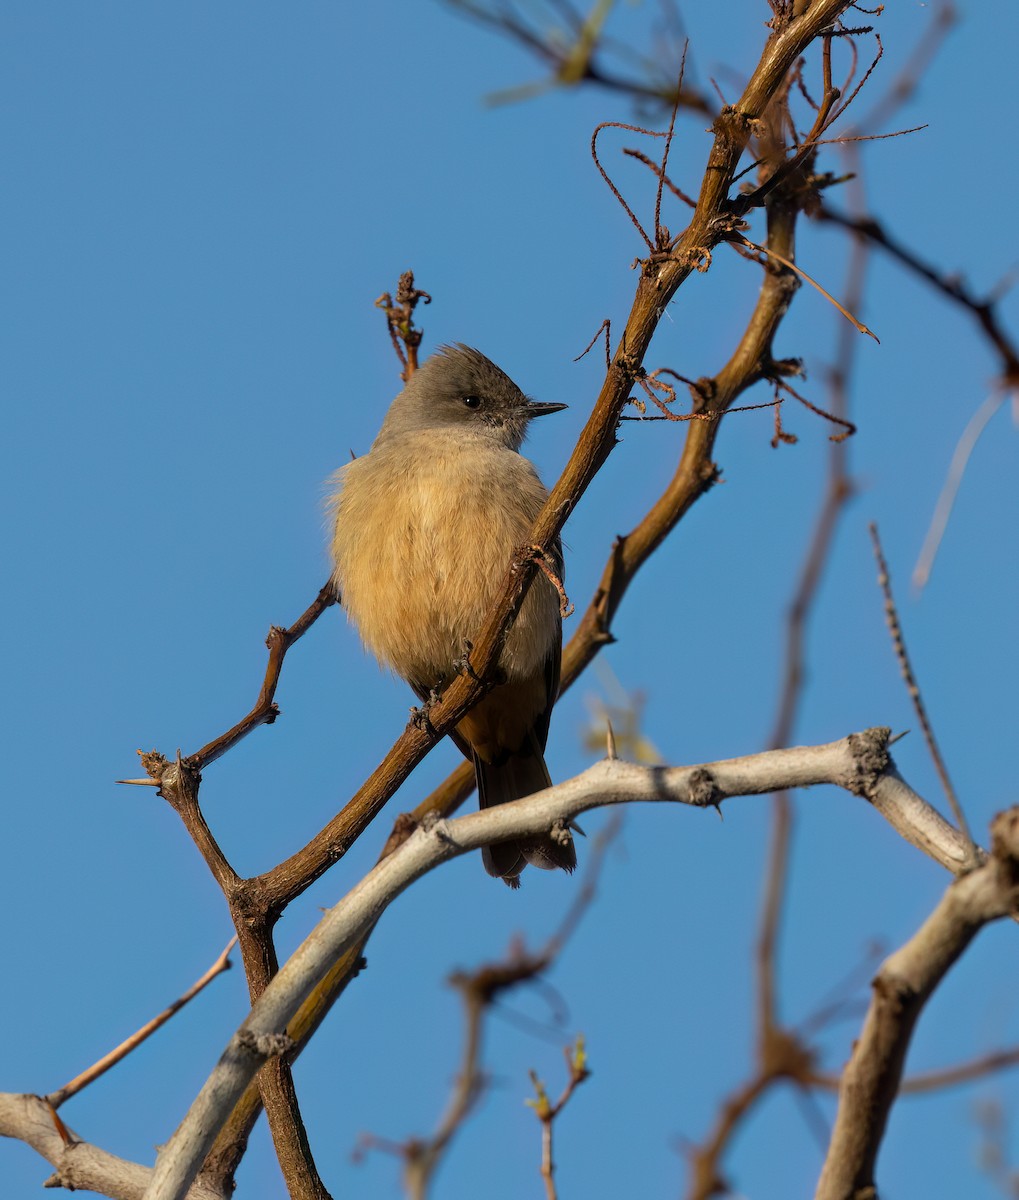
{"x": 860, "y": 764}
{"x": 903, "y": 986}
{"x": 78, "y": 1164}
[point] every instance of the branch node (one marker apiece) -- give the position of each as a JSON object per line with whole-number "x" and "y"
{"x": 265, "y": 1045}
{"x": 703, "y": 790}
{"x": 870, "y": 759}
{"x": 403, "y": 827}
{"x": 438, "y": 827}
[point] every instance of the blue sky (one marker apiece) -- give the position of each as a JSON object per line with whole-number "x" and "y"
{"x": 201, "y": 204}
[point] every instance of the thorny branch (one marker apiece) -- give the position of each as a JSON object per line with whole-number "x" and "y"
{"x": 657, "y": 284}
{"x": 266, "y": 897}
{"x": 859, "y": 763}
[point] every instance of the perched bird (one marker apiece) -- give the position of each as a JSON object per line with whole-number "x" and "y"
{"x": 425, "y": 525}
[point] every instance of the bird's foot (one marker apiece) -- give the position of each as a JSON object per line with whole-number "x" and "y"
{"x": 420, "y": 716}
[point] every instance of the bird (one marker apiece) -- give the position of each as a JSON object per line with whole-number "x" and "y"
{"x": 424, "y": 527}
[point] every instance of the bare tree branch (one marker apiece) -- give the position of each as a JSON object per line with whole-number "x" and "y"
{"x": 902, "y": 987}
{"x": 859, "y": 763}
{"x": 78, "y": 1164}
{"x": 222, "y": 963}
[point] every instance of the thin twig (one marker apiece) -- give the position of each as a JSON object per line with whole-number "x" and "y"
{"x": 265, "y": 710}
{"x": 403, "y": 333}
{"x": 898, "y": 642}
{"x": 983, "y": 309}
{"x": 738, "y": 239}
{"x": 546, "y": 1111}
{"x": 596, "y": 442}
{"x": 222, "y": 963}
{"x": 605, "y": 175}
{"x": 913, "y": 71}
{"x": 937, "y": 1080}
{"x": 848, "y": 428}
{"x": 975, "y": 426}
{"x": 649, "y": 162}
{"x": 577, "y": 60}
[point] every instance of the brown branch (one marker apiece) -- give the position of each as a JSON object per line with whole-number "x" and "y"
{"x": 606, "y": 328}
{"x": 993, "y": 1155}
{"x": 55, "y": 1099}
{"x": 794, "y": 163}
{"x": 256, "y": 903}
{"x": 225, "y": 1156}
{"x": 404, "y": 335}
{"x": 265, "y": 710}
{"x": 848, "y": 428}
{"x": 913, "y": 71}
{"x": 289, "y": 1136}
{"x": 706, "y": 1180}
{"x": 676, "y": 191}
{"x": 634, "y": 219}
{"x": 695, "y": 475}
{"x": 226, "y": 1153}
{"x": 275, "y": 1080}
{"x": 813, "y": 283}
{"x": 656, "y": 286}
{"x": 179, "y": 783}
{"x": 578, "y": 62}
{"x": 983, "y": 309}
{"x": 839, "y": 491}
{"x": 985, "y": 312}
{"x": 658, "y": 283}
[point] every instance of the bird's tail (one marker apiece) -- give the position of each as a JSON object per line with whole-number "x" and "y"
{"x": 518, "y": 775}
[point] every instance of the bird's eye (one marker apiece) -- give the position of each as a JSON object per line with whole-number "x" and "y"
{"x": 472, "y": 402}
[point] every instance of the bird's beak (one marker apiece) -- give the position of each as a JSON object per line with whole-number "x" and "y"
{"x": 536, "y": 408}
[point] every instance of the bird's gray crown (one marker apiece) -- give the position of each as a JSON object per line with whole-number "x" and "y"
{"x": 459, "y": 389}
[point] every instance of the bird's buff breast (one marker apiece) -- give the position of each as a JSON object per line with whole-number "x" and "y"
{"x": 422, "y": 543}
